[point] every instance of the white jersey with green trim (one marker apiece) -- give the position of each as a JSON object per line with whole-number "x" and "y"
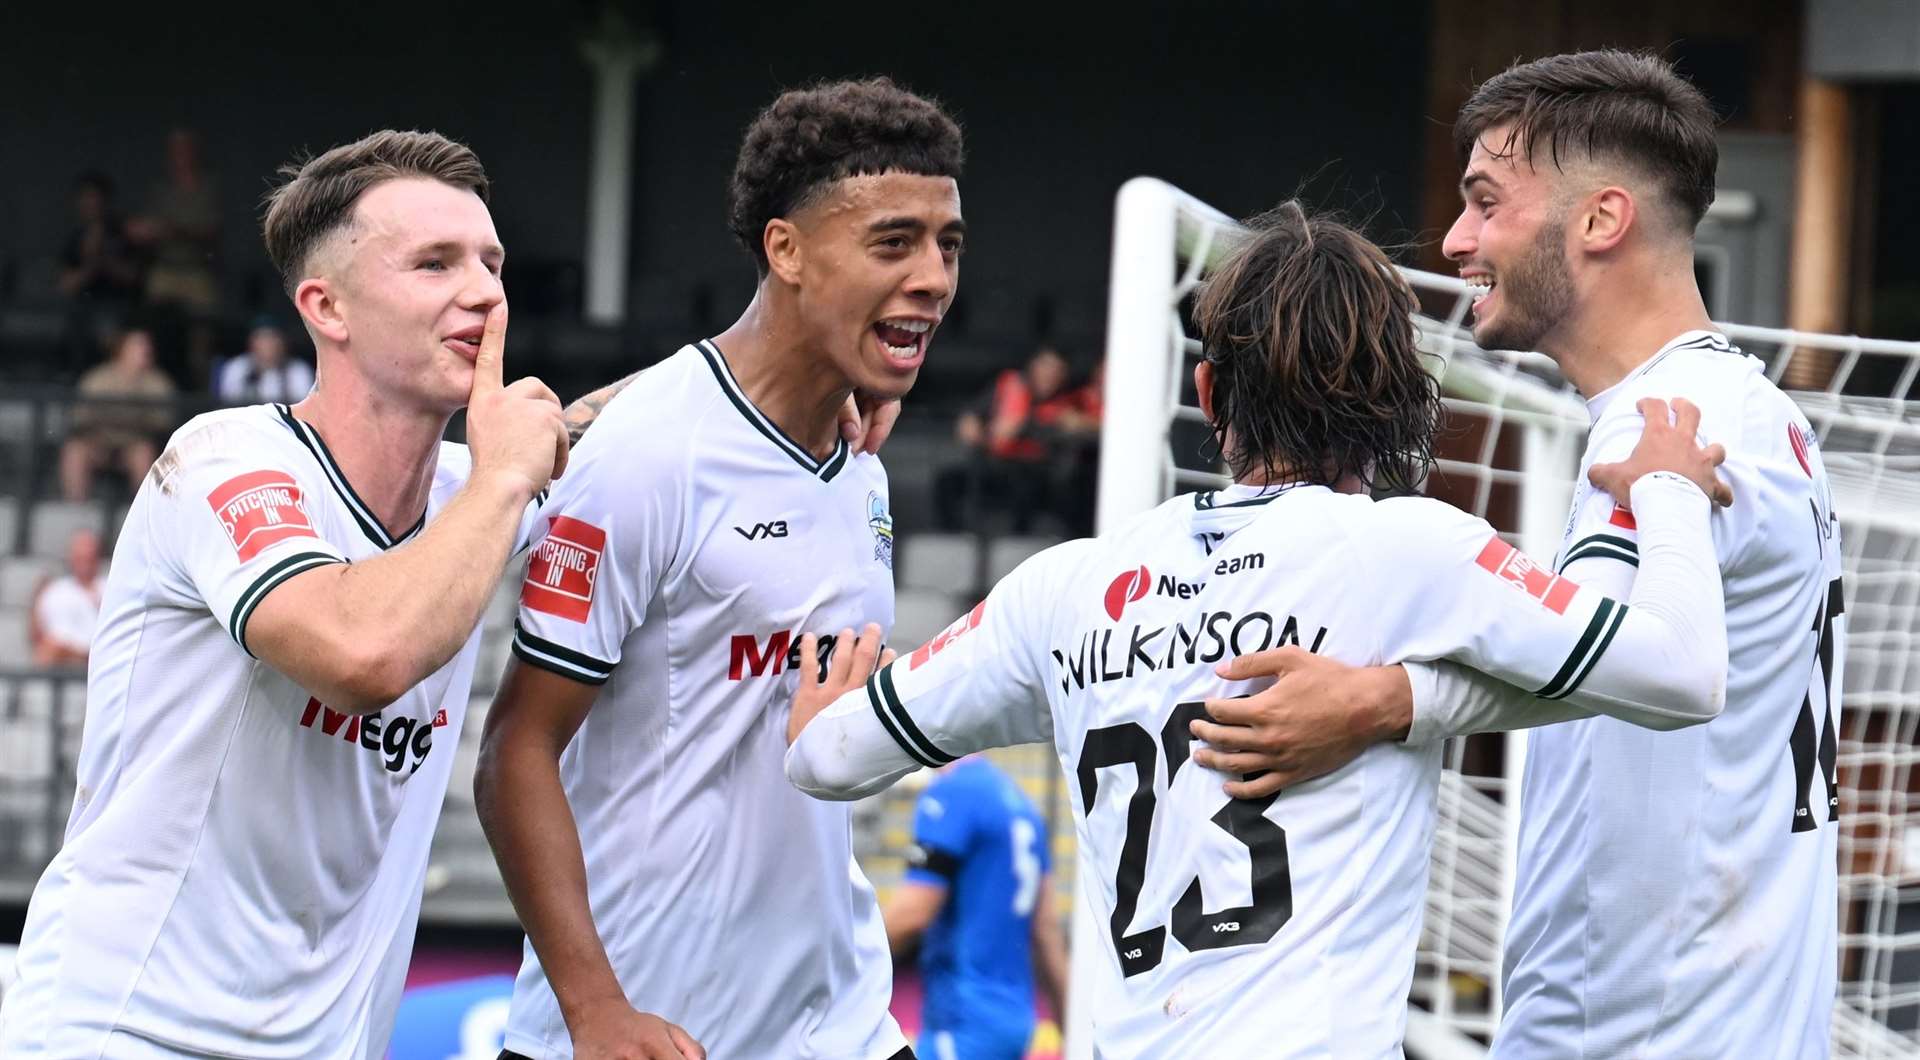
{"x": 243, "y": 865}
{"x": 1675, "y": 894}
{"x": 1279, "y": 927}
{"x": 688, "y": 547}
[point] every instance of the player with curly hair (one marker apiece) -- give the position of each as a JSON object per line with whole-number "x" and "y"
{"x": 663, "y": 867}
{"x": 1282, "y": 927}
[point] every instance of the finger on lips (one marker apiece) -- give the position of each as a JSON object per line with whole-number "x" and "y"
{"x": 487, "y": 363}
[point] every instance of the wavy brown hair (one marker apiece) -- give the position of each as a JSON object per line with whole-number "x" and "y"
{"x": 1309, "y": 329}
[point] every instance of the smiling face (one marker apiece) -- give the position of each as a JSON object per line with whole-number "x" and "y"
{"x": 413, "y": 276}
{"x": 1510, "y": 242}
{"x": 875, "y": 262}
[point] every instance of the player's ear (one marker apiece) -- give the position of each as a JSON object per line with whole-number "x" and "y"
{"x": 319, "y": 304}
{"x": 1610, "y": 213}
{"x": 1203, "y": 387}
{"x": 781, "y": 241}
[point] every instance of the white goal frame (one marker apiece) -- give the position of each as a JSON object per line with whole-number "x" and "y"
{"x": 1165, "y": 241}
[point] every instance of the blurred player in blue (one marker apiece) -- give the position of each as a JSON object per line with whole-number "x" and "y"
{"x": 976, "y": 888}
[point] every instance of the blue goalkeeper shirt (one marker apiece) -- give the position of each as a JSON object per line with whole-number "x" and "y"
{"x": 977, "y": 835}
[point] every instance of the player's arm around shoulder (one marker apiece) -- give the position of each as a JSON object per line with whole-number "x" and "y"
{"x": 1458, "y": 592}
{"x": 360, "y": 635}
{"x": 979, "y": 683}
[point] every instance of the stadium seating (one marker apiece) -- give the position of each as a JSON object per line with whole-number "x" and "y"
{"x": 1007, "y": 553}
{"x": 9, "y": 524}
{"x": 920, "y": 613}
{"x": 20, "y": 576}
{"x": 51, "y": 523}
{"x": 15, "y": 653}
{"x": 944, "y": 562}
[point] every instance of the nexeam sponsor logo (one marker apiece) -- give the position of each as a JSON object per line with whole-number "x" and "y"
{"x": 752, "y": 656}
{"x": 397, "y": 740}
{"x": 1209, "y": 638}
{"x": 1132, "y": 586}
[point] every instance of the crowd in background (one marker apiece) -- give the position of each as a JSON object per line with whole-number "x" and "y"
{"x": 148, "y": 339}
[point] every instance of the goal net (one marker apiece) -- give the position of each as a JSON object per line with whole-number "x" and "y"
{"x": 1514, "y": 438}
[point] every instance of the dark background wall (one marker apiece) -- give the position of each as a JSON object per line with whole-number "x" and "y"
{"x": 1239, "y": 103}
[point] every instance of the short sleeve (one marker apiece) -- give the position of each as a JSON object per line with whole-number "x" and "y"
{"x": 235, "y": 518}
{"x": 1467, "y": 595}
{"x": 601, "y": 542}
{"x": 979, "y": 682}
{"x": 942, "y": 833}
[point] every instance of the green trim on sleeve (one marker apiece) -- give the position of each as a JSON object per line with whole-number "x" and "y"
{"x": 559, "y": 659}
{"x": 1604, "y": 546}
{"x": 298, "y": 563}
{"x": 1587, "y": 650}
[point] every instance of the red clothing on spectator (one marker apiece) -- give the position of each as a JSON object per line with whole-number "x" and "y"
{"x": 1013, "y": 400}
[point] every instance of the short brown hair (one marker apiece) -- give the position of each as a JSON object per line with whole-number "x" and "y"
{"x": 809, "y": 138}
{"x": 1629, "y": 106}
{"x": 1310, "y": 331}
{"x": 318, "y": 196}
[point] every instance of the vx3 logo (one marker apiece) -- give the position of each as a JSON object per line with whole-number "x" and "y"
{"x": 761, "y": 531}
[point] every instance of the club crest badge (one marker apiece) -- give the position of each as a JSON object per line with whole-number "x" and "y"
{"x": 881, "y": 523}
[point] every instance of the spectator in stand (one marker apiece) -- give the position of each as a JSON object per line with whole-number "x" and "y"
{"x": 66, "y": 608}
{"x": 99, "y": 268}
{"x": 99, "y": 262}
{"x": 129, "y": 411}
{"x": 264, "y": 371}
{"x": 1022, "y": 438}
{"x": 181, "y": 231}
{"x": 1079, "y": 463}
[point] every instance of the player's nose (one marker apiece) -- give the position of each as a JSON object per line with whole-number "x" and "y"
{"x": 933, "y": 276}
{"x": 482, "y": 290}
{"x": 1462, "y": 239}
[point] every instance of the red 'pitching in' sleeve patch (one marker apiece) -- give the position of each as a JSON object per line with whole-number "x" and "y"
{"x": 1520, "y": 571}
{"x": 560, "y": 572}
{"x": 970, "y": 620}
{"x": 1622, "y": 517}
{"x": 259, "y": 509}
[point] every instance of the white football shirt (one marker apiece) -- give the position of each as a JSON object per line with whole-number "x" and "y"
{"x": 242, "y": 867}
{"x": 1673, "y": 886}
{"x": 689, "y": 547}
{"x": 1281, "y": 927}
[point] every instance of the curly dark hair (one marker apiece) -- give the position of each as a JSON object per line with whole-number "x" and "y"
{"x": 811, "y": 137}
{"x": 1309, "y": 329}
{"x": 1630, "y": 106}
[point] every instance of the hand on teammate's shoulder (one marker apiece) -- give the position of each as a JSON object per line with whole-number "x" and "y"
{"x": 1669, "y": 441}
{"x": 516, "y": 431}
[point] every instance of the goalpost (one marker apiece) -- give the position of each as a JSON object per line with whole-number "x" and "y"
{"x": 1516, "y": 430}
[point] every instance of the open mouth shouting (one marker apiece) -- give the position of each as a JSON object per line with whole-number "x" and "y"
{"x": 903, "y": 340}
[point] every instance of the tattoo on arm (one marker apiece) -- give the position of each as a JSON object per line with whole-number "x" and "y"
{"x": 581, "y": 414}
